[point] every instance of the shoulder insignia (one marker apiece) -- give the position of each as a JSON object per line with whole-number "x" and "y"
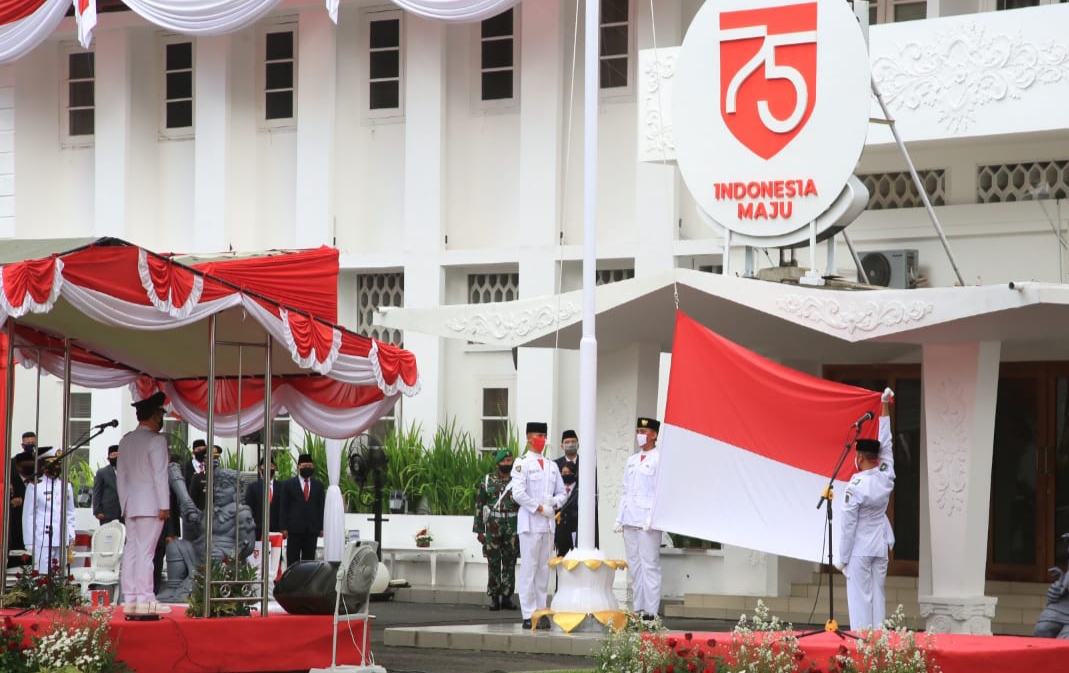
{"x": 883, "y": 467}
{"x": 847, "y": 499}
{"x": 855, "y": 481}
{"x": 517, "y": 467}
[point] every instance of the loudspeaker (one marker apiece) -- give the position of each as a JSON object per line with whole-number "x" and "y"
{"x": 307, "y": 588}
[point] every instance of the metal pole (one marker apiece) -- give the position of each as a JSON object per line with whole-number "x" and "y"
{"x": 588, "y": 346}
{"x": 917, "y": 181}
{"x": 857, "y": 260}
{"x": 65, "y": 463}
{"x": 209, "y": 469}
{"x": 265, "y": 504}
{"x": 9, "y": 410}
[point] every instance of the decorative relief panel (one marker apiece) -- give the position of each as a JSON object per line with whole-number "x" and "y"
{"x": 507, "y": 324}
{"x": 850, "y": 317}
{"x": 948, "y": 448}
{"x": 965, "y": 68}
{"x": 657, "y": 67}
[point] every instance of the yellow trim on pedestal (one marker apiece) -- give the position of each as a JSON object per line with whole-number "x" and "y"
{"x": 567, "y": 621}
{"x": 616, "y": 619}
{"x": 593, "y": 564}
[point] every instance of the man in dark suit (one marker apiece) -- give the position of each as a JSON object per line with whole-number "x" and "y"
{"x": 254, "y": 498}
{"x": 105, "y": 493}
{"x": 195, "y": 465}
{"x": 22, "y": 472}
{"x": 301, "y": 511}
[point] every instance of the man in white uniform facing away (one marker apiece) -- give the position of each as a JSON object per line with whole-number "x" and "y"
{"x": 642, "y": 544}
{"x": 866, "y": 530}
{"x": 144, "y": 496}
{"x": 538, "y": 490}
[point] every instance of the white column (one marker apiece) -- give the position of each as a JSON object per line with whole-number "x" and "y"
{"x": 656, "y": 185}
{"x": 423, "y": 226}
{"x": 211, "y": 152}
{"x": 112, "y": 124}
{"x": 960, "y": 384}
{"x": 316, "y": 80}
{"x": 7, "y": 151}
{"x": 538, "y": 216}
{"x": 627, "y": 389}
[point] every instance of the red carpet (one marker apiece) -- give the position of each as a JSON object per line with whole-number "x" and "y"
{"x": 953, "y": 653}
{"x": 179, "y": 644}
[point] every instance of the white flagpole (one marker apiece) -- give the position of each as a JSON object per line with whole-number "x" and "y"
{"x": 588, "y": 346}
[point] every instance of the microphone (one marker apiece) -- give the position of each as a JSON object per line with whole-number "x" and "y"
{"x": 113, "y": 423}
{"x": 867, "y": 417}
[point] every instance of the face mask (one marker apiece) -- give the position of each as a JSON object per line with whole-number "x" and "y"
{"x": 199, "y": 455}
{"x": 641, "y": 439}
{"x": 28, "y": 448}
{"x": 307, "y": 472}
{"x": 538, "y": 443}
{"x": 568, "y": 478}
{"x": 505, "y": 469}
{"x": 571, "y": 448}
{"x": 113, "y": 461}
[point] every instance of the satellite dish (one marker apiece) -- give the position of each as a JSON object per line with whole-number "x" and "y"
{"x": 356, "y": 573}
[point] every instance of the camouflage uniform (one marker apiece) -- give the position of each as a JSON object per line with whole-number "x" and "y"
{"x": 498, "y": 523}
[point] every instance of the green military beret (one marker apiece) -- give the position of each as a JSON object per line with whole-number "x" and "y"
{"x": 502, "y": 455}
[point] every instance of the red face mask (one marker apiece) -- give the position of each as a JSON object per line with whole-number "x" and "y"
{"x": 538, "y": 443}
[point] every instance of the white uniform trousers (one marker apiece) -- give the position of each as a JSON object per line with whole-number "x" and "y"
{"x": 643, "y": 551}
{"x": 142, "y": 533}
{"x": 533, "y": 582}
{"x": 42, "y": 561}
{"x": 865, "y": 593}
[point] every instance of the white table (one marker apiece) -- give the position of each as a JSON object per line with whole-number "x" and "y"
{"x": 391, "y": 553}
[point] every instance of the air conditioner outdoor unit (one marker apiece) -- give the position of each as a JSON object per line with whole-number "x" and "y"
{"x": 896, "y": 269}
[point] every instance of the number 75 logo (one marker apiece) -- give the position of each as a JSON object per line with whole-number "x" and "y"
{"x": 768, "y": 74}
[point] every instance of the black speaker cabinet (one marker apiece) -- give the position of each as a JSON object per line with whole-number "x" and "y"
{"x": 307, "y": 588}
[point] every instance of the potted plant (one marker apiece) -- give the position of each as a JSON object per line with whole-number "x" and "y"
{"x": 424, "y": 537}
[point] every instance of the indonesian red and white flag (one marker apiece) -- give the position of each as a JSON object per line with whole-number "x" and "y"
{"x": 748, "y": 447}
{"x": 85, "y": 13}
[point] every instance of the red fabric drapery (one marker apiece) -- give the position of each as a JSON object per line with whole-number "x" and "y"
{"x": 13, "y": 10}
{"x": 31, "y": 279}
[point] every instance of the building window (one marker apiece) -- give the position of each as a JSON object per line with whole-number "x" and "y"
{"x": 896, "y": 190}
{"x": 374, "y": 290}
{"x": 178, "y": 85}
{"x": 381, "y": 429}
{"x": 893, "y": 11}
{"x": 1021, "y": 182}
{"x": 80, "y": 423}
{"x": 497, "y": 57}
{"x": 485, "y": 288}
{"x": 280, "y": 75}
{"x": 615, "y": 44}
{"x": 495, "y": 418}
{"x": 1001, "y": 5}
{"x": 80, "y": 94}
{"x": 176, "y": 431}
{"x": 384, "y": 62}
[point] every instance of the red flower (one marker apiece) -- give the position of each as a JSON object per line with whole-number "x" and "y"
{"x": 70, "y": 578}
{"x": 55, "y": 563}
{"x": 669, "y": 669}
{"x": 35, "y": 627}
{"x": 18, "y": 576}
{"x": 25, "y": 558}
{"x": 34, "y": 573}
{"x": 799, "y": 655}
{"x": 843, "y": 651}
{"x": 688, "y": 636}
{"x": 711, "y": 642}
{"x": 42, "y": 581}
{"x": 691, "y": 667}
{"x": 672, "y": 642}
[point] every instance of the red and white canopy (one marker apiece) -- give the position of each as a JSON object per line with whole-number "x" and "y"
{"x": 140, "y": 319}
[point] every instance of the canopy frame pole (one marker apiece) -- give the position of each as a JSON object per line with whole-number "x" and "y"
{"x": 209, "y": 469}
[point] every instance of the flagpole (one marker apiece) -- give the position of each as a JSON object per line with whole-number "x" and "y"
{"x": 588, "y": 346}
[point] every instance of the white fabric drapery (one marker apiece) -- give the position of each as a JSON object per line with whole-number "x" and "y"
{"x": 20, "y": 37}
{"x": 202, "y": 17}
{"x": 334, "y": 510}
{"x": 456, "y": 11}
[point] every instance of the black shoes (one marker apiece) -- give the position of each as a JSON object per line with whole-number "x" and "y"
{"x": 507, "y": 604}
{"x": 495, "y": 604}
{"x": 527, "y": 623}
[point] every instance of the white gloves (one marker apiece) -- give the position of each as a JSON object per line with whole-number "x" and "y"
{"x": 547, "y": 512}
{"x": 618, "y": 527}
{"x": 888, "y": 396}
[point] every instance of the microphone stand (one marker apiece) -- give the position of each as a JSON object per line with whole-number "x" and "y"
{"x": 832, "y": 626}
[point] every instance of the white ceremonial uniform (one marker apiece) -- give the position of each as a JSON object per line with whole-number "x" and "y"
{"x": 867, "y": 536}
{"x": 141, "y": 478}
{"x": 642, "y": 545}
{"x": 42, "y": 524}
{"x": 535, "y": 481}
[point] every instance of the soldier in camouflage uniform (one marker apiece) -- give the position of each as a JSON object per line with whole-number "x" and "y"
{"x": 495, "y": 524}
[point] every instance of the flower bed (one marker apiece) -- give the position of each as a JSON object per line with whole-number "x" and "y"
{"x": 75, "y": 642}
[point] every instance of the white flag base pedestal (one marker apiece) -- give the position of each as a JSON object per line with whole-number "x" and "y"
{"x": 584, "y": 600}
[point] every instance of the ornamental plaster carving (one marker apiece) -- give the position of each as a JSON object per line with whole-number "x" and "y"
{"x": 968, "y": 615}
{"x": 757, "y": 559}
{"x": 962, "y": 69}
{"x": 615, "y": 444}
{"x": 656, "y": 92}
{"x": 949, "y": 448}
{"x": 850, "y": 317}
{"x": 504, "y": 323}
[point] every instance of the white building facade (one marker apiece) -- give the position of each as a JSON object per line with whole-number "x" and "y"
{"x": 443, "y": 160}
